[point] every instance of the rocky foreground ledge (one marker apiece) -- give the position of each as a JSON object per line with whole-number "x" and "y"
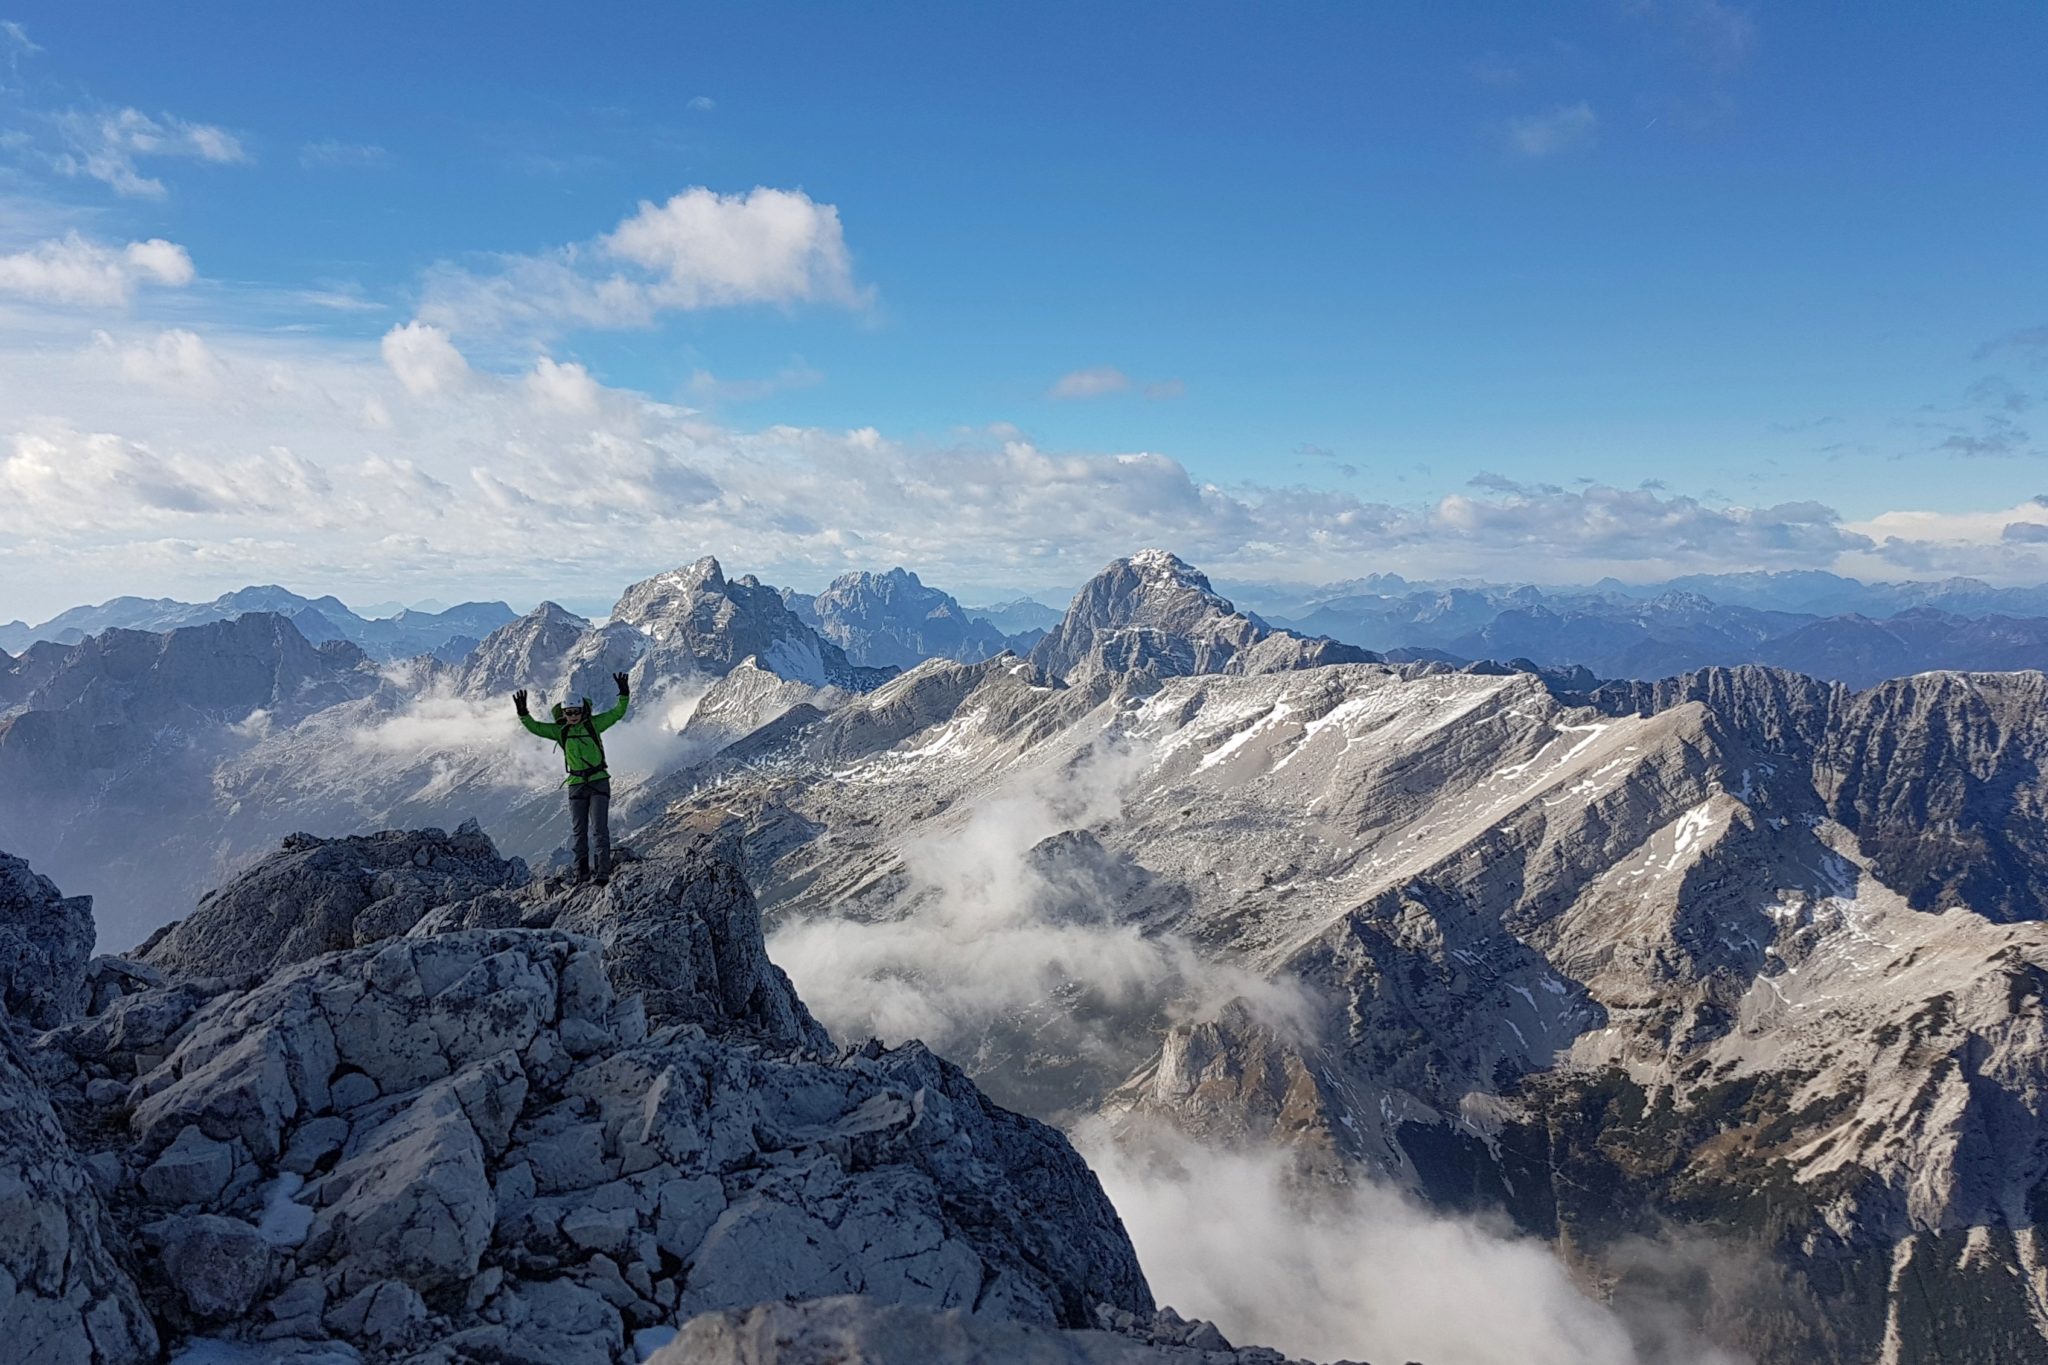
{"x": 390, "y": 1099}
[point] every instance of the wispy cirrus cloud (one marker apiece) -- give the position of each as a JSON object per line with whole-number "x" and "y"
{"x": 333, "y": 154}
{"x": 110, "y": 145}
{"x": 1100, "y": 381}
{"x": 1565, "y": 128}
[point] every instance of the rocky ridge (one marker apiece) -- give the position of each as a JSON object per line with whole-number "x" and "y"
{"x": 533, "y": 1124}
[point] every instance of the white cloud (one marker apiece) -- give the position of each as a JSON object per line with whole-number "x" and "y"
{"x": 177, "y": 360}
{"x": 1090, "y": 383}
{"x": 546, "y": 475}
{"x": 424, "y": 359}
{"x": 703, "y": 104}
{"x": 76, "y": 270}
{"x": 1567, "y": 128}
{"x": 564, "y": 388}
{"x": 96, "y": 481}
{"x": 106, "y": 145}
{"x": 1103, "y": 380}
{"x": 698, "y": 250}
{"x": 1357, "y": 1272}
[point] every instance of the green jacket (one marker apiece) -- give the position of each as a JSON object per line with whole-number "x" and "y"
{"x": 582, "y": 752}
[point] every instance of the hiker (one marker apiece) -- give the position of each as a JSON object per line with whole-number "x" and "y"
{"x": 590, "y": 786}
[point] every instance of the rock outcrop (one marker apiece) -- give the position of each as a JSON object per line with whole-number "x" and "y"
{"x": 45, "y": 941}
{"x": 533, "y": 1123}
{"x": 319, "y": 895}
{"x": 65, "y": 1296}
{"x": 846, "y": 1329}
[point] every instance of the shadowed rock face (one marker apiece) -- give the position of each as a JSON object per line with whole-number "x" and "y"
{"x": 45, "y": 940}
{"x": 318, "y": 895}
{"x": 1940, "y": 777}
{"x": 533, "y": 1121}
{"x": 893, "y": 620}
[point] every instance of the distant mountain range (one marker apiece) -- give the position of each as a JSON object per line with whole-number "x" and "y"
{"x": 1817, "y": 623}
{"x": 448, "y": 634}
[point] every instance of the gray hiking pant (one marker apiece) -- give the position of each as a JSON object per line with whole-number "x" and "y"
{"x": 588, "y": 799}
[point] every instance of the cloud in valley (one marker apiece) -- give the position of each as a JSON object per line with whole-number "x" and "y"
{"x": 1361, "y": 1272}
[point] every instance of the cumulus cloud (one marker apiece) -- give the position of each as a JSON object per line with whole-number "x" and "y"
{"x": 94, "y": 481}
{"x": 424, "y": 359}
{"x": 564, "y": 387}
{"x": 77, "y": 270}
{"x": 177, "y": 360}
{"x": 107, "y": 145}
{"x": 698, "y": 250}
{"x": 1361, "y": 1272}
{"x": 1566, "y": 128}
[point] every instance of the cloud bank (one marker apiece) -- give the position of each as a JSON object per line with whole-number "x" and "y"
{"x": 155, "y": 459}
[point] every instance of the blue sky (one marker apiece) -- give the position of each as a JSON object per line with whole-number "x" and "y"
{"x": 1274, "y": 283}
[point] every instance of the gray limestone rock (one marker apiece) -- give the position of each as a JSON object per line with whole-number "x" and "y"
{"x": 317, "y": 895}
{"x": 65, "y": 1295}
{"x": 45, "y": 941}
{"x": 218, "y": 1266}
{"x": 863, "y": 1331}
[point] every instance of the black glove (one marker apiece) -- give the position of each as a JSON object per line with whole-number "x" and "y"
{"x": 519, "y": 701}
{"x": 620, "y": 679}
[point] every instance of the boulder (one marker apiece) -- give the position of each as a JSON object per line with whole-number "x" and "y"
{"x": 218, "y": 1266}
{"x": 45, "y": 942}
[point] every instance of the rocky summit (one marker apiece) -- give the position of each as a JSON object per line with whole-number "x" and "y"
{"x": 516, "y": 1121}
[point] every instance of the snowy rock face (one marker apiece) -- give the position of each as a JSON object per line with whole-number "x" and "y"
{"x": 871, "y": 1333}
{"x": 537, "y": 1123}
{"x": 318, "y": 895}
{"x": 523, "y": 653}
{"x": 1647, "y": 958}
{"x": 1154, "y": 614}
{"x": 892, "y": 620}
{"x": 688, "y": 622}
